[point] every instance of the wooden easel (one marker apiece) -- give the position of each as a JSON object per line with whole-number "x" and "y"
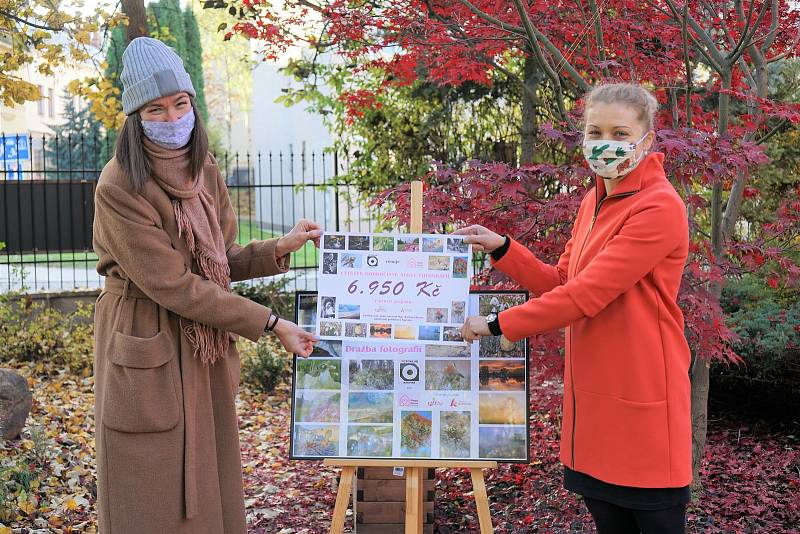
{"x": 414, "y": 469}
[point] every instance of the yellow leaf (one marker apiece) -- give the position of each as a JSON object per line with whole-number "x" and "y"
{"x": 71, "y": 504}
{"x": 27, "y": 506}
{"x": 5, "y": 530}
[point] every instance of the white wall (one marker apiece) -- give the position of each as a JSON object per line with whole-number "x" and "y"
{"x": 275, "y": 126}
{"x": 283, "y": 132}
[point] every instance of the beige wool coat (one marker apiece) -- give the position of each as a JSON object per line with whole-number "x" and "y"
{"x": 168, "y": 458}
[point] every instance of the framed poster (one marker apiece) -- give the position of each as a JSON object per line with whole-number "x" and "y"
{"x": 429, "y": 398}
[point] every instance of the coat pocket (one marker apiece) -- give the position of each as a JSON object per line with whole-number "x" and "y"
{"x": 140, "y": 393}
{"x": 622, "y": 441}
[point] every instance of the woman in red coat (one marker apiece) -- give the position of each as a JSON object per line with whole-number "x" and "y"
{"x": 626, "y": 433}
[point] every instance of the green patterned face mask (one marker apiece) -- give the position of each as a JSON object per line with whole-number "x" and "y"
{"x": 611, "y": 159}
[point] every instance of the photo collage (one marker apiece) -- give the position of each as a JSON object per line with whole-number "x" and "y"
{"x": 392, "y": 376}
{"x": 421, "y": 398}
{"x": 383, "y": 281}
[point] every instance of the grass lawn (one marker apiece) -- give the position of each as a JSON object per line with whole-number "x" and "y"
{"x": 248, "y": 230}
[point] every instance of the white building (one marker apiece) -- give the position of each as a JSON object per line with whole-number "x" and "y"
{"x": 288, "y": 151}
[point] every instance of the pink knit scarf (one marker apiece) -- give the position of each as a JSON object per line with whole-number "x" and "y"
{"x": 198, "y": 223}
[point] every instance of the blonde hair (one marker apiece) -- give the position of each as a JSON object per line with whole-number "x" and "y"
{"x": 624, "y": 93}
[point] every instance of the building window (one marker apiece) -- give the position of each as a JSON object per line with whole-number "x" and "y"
{"x": 51, "y": 105}
{"x": 41, "y": 100}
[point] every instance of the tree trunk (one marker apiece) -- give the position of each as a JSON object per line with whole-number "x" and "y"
{"x": 529, "y": 128}
{"x": 700, "y": 372}
{"x": 137, "y": 19}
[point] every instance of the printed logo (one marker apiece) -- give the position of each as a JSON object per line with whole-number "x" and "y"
{"x": 372, "y": 261}
{"x": 406, "y": 401}
{"x": 414, "y": 264}
{"x": 409, "y": 372}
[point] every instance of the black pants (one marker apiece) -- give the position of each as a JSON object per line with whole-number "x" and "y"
{"x": 612, "y": 519}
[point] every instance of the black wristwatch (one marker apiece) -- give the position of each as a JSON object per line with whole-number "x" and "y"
{"x": 493, "y": 321}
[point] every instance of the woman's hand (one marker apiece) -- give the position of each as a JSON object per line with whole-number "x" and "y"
{"x": 294, "y": 339}
{"x": 474, "y": 328}
{"x": 303, "y": 231}
{"x": 482, "y": 239}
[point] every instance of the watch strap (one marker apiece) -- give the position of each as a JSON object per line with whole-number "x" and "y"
{"x": 494, "y": 326}
{"x": 498, "y": 253}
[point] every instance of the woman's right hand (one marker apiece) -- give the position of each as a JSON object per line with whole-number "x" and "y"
{"x": 482, "y": 239}
{"x": 294, "y": 339}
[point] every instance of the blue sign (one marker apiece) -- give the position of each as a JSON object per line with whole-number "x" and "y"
{"x": 16, "y": 148}
{"x": 13, "y": 171}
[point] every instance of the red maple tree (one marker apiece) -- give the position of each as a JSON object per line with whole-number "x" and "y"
{"x": 708, "y": 62}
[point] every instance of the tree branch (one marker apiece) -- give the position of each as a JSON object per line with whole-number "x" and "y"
{"x": 744, "y": 21}
{"x": 462, "y": 33}
{"x": 492, "y": 20}
{"x": 31, "y": 24}
{"x": 748, "y": 34}
{"x": 309, "y": 5}
{"x": 740, "y": 60}
{"x": 764, "y": 138}
{"x": 773, "y": 28}
{"x": 598, "y": 35}
{"x": 539, "y": 36}
{"x": 522, "y": 32}
{"x": 710, "y": 45}
{"x": 688, "y": 64}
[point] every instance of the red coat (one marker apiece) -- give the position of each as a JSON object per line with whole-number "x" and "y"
{"x": 627, "y": 409}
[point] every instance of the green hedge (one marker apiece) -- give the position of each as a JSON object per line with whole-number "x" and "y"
{"x": 767, "y": 322}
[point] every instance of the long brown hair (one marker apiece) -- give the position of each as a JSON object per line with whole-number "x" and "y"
{"x": 133, "y": 160}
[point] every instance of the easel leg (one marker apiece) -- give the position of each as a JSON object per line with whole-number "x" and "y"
{"x": 342, "y": 499}
{"x": 414, "y": 511}
{"x": 481, "y": 501}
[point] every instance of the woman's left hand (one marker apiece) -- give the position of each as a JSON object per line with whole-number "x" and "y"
{"x": 303, "y": 231}
{"x": 475, "y": 327}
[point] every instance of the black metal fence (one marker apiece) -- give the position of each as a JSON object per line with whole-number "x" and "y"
{"x": 47, "y": 201}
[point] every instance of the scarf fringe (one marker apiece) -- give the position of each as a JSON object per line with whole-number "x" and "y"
{"x": 209, "y": 343}
{"x": 184, "y": 225}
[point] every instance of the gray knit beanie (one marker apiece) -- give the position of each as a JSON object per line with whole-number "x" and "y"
{"x": 150, "y": 70}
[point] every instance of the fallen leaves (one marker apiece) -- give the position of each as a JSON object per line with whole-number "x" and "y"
{"x": 752, "y": 475}
{"x": 50, "y": 470}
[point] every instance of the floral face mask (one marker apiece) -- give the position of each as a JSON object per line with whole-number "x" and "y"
{"x": 611, "y": 159}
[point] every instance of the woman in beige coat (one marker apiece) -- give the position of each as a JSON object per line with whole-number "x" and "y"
{"x": 166, "y": 366}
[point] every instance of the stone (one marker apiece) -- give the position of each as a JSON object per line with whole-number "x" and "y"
{"x": 15, "y": 403}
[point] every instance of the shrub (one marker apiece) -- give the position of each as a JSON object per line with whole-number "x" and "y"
{"x": 273, "y": 294}
{"x": 265, "y": 364}
{"x": 767, "y": 322}
{"x": 31, "y": 331}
